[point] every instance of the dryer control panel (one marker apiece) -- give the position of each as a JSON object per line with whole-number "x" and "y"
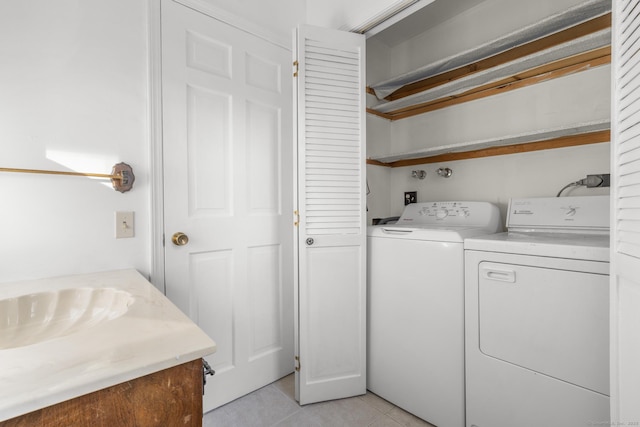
{"x": 559, "y": 214}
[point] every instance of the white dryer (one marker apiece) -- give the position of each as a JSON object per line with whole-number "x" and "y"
{"x": 537, "y": 316}
{"x": 415, "y": 334}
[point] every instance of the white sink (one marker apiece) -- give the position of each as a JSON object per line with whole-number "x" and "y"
{"x": 38, "y": 317}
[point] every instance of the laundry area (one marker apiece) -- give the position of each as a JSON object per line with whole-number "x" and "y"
{"x": 470, "y": 326}
{"x": 498, "y": 320}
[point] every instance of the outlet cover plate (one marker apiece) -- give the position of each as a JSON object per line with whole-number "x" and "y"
{"x": 410, "y": 197}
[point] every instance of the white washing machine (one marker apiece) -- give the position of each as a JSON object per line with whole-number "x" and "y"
{"x": 537, "y": 316}
{"x": 415, "y": 334}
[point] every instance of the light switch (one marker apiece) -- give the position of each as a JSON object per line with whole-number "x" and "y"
{"x": 124, "y": 225}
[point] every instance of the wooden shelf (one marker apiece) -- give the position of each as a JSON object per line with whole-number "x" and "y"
{"x": 580, "y": 46}
{"x": 582, "y": 134}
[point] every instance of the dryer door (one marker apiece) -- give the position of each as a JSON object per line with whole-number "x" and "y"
{"x": 551, "y": 321}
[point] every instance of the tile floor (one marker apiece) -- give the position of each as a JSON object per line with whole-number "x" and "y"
{"x": 275, "y": 405}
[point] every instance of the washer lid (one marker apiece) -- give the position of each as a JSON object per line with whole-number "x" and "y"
{"x": 436, "y": 233}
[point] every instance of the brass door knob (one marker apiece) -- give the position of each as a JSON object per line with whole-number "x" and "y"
{"x": 180, "y": 239}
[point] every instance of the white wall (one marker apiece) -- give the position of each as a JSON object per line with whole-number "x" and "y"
{"x": 579, "y": 98}
{"x": 345, "y": 15}
{"x": 73, "y": 85}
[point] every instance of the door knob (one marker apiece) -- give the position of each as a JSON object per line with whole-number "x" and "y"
{"x": 180, "y": 239}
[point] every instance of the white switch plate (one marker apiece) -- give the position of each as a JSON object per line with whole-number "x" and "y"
{"x": 124, "y": 225}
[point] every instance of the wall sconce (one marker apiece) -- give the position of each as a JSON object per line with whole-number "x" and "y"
{"x": 445, "y": 172}
{"x": 419, "y": 174}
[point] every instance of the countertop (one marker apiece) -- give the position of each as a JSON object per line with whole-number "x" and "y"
{"x": 151, "y": 336}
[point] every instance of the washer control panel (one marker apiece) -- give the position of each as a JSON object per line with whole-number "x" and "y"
{"x": 451, "y": 213}
{"x": 442, "y": 210}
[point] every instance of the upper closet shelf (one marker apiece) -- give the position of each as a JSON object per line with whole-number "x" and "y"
{"x": 568, "y": 42}
{"x": 577, "y": 134}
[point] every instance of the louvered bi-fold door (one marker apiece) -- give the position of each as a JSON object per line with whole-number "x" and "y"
{"x": 331, "y": 235}
{"x": 625, "y": 227}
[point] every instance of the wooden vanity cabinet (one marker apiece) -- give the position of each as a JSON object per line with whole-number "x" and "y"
{"x": 172, "y": 397}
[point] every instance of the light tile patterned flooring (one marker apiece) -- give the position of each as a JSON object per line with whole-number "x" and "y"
{"x": 275, "y": 405}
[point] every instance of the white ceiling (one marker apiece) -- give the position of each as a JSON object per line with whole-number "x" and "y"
{"x": 423, "y": 19}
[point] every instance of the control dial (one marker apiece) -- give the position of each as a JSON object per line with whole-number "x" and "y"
{"x": 442, "y": 213}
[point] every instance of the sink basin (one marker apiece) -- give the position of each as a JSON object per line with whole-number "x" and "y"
{"x": 37, "y": 317}
{"x": 69, "y": 336}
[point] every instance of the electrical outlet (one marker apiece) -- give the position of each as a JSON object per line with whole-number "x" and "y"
{"x": 124, "y": 225}
{"x": 599, "y": 180}
{"x": 410, "y": 197}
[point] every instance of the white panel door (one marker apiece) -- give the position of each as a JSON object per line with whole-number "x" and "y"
{"x": 625, "y": 226}
{"x": 227, "y": 141}
{"x": 331, "y": 236}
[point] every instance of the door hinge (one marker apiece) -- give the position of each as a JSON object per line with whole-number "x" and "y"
{"x": 297, "y": 368}
{"x": 297, "y": 218}
{"x": 295, "y": 68}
